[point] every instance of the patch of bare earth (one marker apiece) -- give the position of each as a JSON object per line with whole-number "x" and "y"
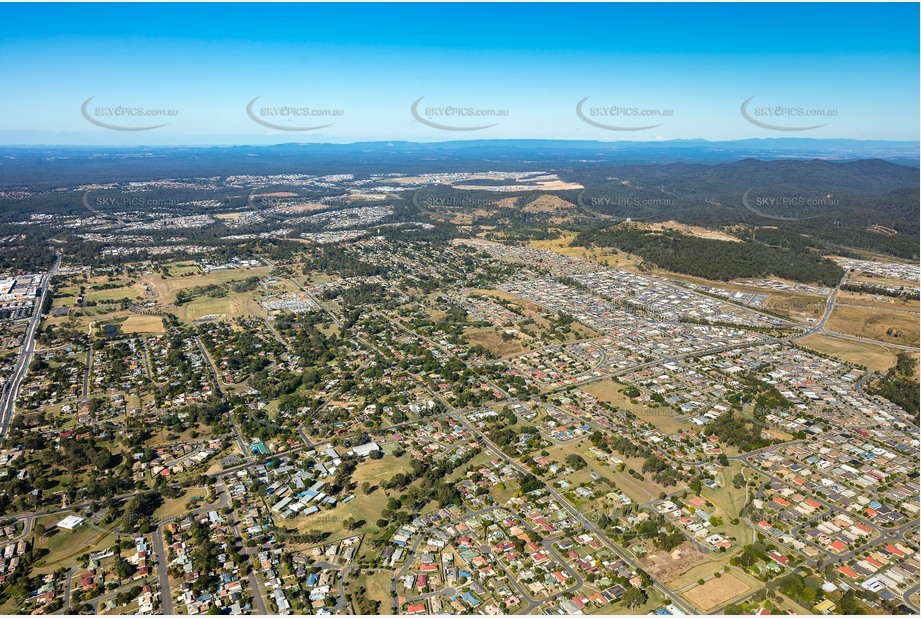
{"x": 667, "y": 565}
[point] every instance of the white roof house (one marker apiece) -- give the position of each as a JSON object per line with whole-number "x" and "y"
{"x": 365, "y": 449}
{"x": 70, "y": 522}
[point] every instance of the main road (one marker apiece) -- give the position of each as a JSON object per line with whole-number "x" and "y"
{"x": 14, "y": 383}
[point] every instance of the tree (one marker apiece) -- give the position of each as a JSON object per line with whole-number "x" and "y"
{"x": 634, "y": 597}
{"x": 124, "y": 569}
{"x": 576, "y": 462}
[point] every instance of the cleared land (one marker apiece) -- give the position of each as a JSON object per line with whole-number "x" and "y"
{"x": 689, "y": 230}
{"x": 877, "y": 302}
{"x": 177, "y": 506}
{"x": 377, "y": 585}
{"x": 548, "y": 203}
{"x": 639, "y": 491}
{"x": 143, "y": 324}
{"x": 795, "y": 306}
{"x": 167, "y": 288}
{"x": 666, "y": 566}
{"x": 876, "y": 323}
{"x": 491, "y": 339}
{"x": 233, "y": 305}
{"x": 66, "y": 545}
{"x": 114, "y": 294}
{"x": 663, "y": 418}
{"x": 717, "y": 592}
{"x": 875, "y": 357}
{"x": 731, "y": 502}
{"x": 604, "y": 256}
{"x": 800, "y": 307}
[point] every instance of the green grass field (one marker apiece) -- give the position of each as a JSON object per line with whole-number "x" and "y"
{"x": 66, "y": 546}
{"x": 99, "y": 296}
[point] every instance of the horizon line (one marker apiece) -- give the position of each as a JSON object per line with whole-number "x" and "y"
{"x": 473, "y": 141}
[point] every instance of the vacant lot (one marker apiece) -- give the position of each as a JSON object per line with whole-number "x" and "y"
{"x": 689, "y": 230}
{"x": 167, "y": 288}
{"x": 177, "y": 506}
{"x": 515, "y": 300}
{"x": 603, "y": 255}
{"x": 377, "y": 585}
{"x": 861, "y": 278}
{"x": 638, "y": 490}
{"x": 717, "y": 592}
{"x": 799, "y": 307}
{"x": 873, "y": 356}
{"x": 875, "y": 301}
{"x": 666, "y": 566}
{"x": 609, "y": 391}
{"x": 793, "y": 306}
{"x": 114, "y": 294}
{"x": 177, "y": 269}
{"x": 143, "y": 324}
{"x": 730, "y": 502}
{"x": 491, "y": 339}
{"x": 886, "y": 326}
{"x": 233, "y": 305}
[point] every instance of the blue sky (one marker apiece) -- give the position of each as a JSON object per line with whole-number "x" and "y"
{"x": 691, "y": 66}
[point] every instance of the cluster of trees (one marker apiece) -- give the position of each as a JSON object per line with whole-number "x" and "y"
{"x": 732, "y": 428}
{"x": 242, "y": 350}
{"x": 335, "y": 259}
{"x": 139, "y": 510}
{"x": 899, "y": 384}
{"x": 764, "y": 396}
{"x": 878, "y": 290}
{"x": 662, "y": 472}
{"x": 625, "y": 447}
{"x": 361, "y": 294}
{"x": 64, "y": 470}
{"x": 804, "y": 590}
{"x": 751, "y": 555}
{"x": 529, "y": 483}
{"x": 427, "y": 480}
{"x": 503, "y": 433}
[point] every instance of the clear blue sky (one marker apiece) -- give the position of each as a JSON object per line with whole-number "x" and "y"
{"x": 372, "y": 61}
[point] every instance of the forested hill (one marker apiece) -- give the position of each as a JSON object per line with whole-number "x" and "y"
{"x": 715, "y": 259}
{"x": 837, "y": 204}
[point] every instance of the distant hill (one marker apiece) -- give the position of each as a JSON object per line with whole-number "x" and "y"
{"x": 85, "y": 164}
